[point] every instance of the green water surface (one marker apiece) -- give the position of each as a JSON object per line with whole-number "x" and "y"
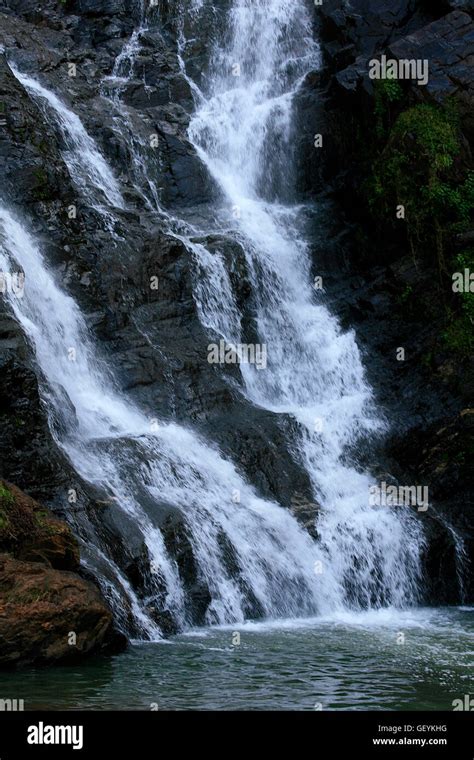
{"x": 386, "y": 660}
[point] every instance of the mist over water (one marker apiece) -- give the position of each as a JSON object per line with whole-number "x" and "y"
{"x": 364, "y": 557}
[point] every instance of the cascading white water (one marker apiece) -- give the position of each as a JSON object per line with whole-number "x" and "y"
{"x": 113, "y": 444}
{"x": 84, "y": 160}
{"x": 364, "y": 557}
{"x": 112, "y": 88}
{"x": 243, "y": 130}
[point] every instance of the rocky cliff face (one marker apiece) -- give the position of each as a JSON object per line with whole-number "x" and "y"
{"x": 152, "y": 335}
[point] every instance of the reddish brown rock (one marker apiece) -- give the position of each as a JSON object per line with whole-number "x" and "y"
{"x": 47, "y": 613}
{"x": 30, "y": 532}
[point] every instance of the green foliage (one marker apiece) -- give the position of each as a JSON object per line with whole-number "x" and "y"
{"x": 27, "y": 597}
{"x": 465, "y": 260}
{"x": 416, "y": 169}
{"x": 44, "y": 523}
{"x": 405, "y": 296}
{"x": 6, "y": 496}
{"x": 6, "y": 501}
{"x": 459, "y": 334}
{"x": 432, "y": 130}
{"x": 387, "y": 91}
{"x": 415, "y": 162}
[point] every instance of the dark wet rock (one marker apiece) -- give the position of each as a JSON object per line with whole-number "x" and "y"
{"x": 195, "y": 588}
{"x": 27, "y": 451}
{"x": 186, "y": 182}
{"x": 260, "y": 443}
{"x": 101, "y": 7}
{"x": 440, "y": 456}
{"x": 34, "y": 172}
{"x": 362, "y": 27}
{"x": 407, "y": 29}
{"x": 448, "y": 45}
{"x": 431, "y": 382}
{"x": 306, "y": 512}
{"x": 200, "y": 30}
{"x": 445, "y": 43}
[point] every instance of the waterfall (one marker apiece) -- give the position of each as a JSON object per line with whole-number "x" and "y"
{"x": 251, "y": 553}
{"x": 87, "y": 166}
{"x": 243, "y": 131}
{"x": 112, "y": 88}
{"x": 112, "y": 444}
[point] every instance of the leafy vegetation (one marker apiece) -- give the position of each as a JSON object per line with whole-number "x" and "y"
{"x": 416, "y": 164}
{"x": 387, "y": 92}
{"x": 6, "y": 501}
{"x": 415, "y": 170}
{"x": 460, "y": 332}
{"x": 15, "y": 521}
